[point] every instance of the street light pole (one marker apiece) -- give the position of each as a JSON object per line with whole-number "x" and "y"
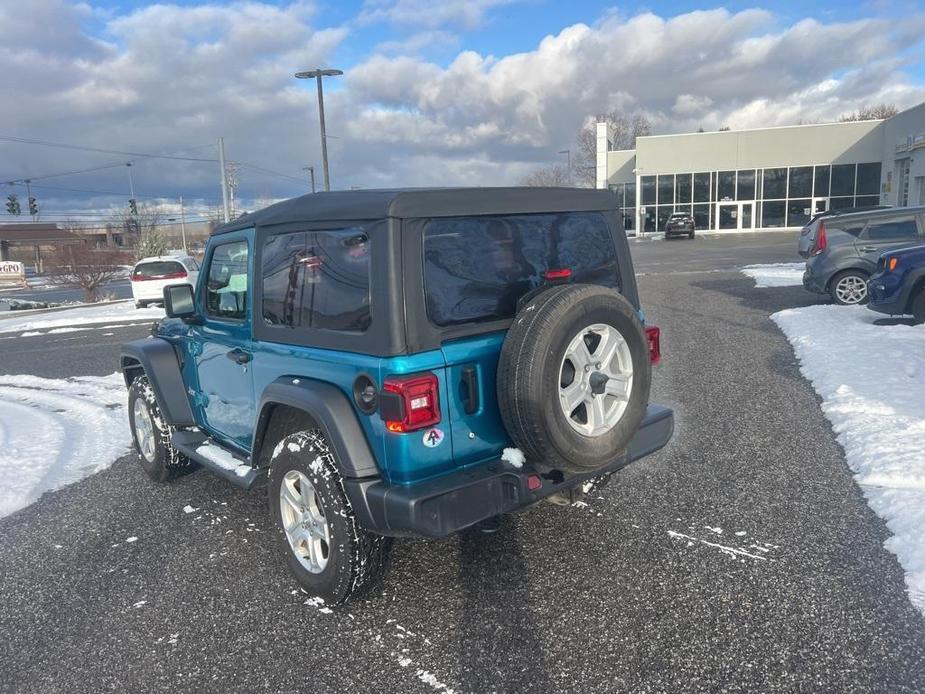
{"x": 318, "y": 75}
{"x": 568, "y": 154}
{"x": 226, "y": 207}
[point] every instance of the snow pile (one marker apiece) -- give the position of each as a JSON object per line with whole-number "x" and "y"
{"x": 514, "y": 456}
{"x": 776, "y": 274}
{"x": 871, "y": 380}
{"x": 56, "y": 432}
{"x": 84, "y": 315}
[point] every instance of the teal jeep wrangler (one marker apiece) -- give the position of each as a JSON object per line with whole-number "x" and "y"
{"x": 401, "y": 363}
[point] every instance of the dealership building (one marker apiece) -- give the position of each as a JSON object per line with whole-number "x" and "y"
{"x": 766, "y": 178}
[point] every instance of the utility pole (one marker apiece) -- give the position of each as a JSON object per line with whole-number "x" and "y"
{"x": 183, "y": 226}
{"x": 317, "y": 75}
{"x": 311, "y": 172}
{"x": 226, "y": 208}
{"x": 568, "y": 154}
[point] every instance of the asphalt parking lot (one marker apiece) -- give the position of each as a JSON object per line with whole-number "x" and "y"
{"x": 741, "y": 557}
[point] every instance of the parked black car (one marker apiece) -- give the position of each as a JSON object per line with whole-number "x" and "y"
{"x": 680, "y": 224}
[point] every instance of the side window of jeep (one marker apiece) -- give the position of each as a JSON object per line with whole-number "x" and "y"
{"x": 317, "y": 280}
{"x": 226, "y": 287}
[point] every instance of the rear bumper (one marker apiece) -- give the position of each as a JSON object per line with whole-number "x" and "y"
{"x": 814, "y": 283}
{"x": 452, "y": 502}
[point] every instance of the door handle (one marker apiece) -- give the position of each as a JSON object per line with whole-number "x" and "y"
{"x": 471, "y": 381}
{"x": 239, "y": 356}
{"x": 867, "y": 249}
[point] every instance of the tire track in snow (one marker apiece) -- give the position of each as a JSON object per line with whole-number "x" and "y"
{"x": 54, "y": 432}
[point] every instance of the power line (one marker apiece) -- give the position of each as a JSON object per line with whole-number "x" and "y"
{"x": 21, "y": 181}
{"x": 82, "y": 148}
{"x": 272, "y": 173}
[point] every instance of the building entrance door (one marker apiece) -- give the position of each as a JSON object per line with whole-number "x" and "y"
{"x": 820, "y": 205}
{"x": 735, "y": 215}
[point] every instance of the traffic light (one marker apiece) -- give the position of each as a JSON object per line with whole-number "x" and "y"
{"x": 12, "y": 205}
{"x": 133, "y": 207}
{"x": 33, "y": 206}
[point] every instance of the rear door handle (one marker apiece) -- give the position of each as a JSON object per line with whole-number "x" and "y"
{"x": 239, "y": 356}
{"x": 471, "y": 381}
{"x": 867, "y": 249}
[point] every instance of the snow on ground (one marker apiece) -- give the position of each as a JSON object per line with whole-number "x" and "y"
{"x": 776, "y": 274}
{"x": 54, "y": 432}
{"x": 871, "y": 379}
{"x": 86, "y": 315}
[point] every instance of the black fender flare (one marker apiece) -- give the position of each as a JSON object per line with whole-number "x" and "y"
{"x": 158, "y": 359}
{"x": 330, "y": 408}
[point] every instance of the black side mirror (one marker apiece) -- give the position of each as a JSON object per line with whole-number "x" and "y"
{"x": 179, "y": 301}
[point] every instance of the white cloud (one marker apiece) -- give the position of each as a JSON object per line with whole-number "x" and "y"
{"x": 169, "y": 77}
{"x": 464, "y": 14}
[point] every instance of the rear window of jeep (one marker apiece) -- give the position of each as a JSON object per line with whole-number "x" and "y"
{"x": 476, "y": 268}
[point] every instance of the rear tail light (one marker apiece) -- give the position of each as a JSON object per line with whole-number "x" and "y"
{"x": 559, "y": 274}
{"x": 409, "y": 403}
{"x": 654, "y": 338}
{"x": 821, "y": 241}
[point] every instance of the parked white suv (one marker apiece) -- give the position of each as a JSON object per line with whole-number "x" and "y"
{"x": 151, "y": 275}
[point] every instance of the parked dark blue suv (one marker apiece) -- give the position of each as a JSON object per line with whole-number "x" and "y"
{"x": 401, "y": 363}
{"x": 898, "y": 287}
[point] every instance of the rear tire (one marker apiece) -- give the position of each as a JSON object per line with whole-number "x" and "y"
{"x": 918, "y": 307}
{"x": 151, "y": 434}
{"x": 849, "y": 288}
{"x": 327, "y": 551}
{"x": 573, "y": 378}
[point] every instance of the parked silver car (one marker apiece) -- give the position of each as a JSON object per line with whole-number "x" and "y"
{"x": 846, "y": 248}
{"x": 808, "y": 233}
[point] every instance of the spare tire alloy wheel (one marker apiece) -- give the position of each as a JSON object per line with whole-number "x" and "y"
{"x": 595, "y": 379}
{"x": 574, "y": 377}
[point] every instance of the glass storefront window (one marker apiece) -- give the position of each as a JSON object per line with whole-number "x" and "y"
{"x": 843, "y": 179}
{"x": 666, "y": 190}
{"x": 866, "y": 200}
{"x": 773, "y": 212}
{"x": 727, "y": 185}
{"x": 801, "y": 182}
{"x": 648, "y": 190}
{"x": 746, "y": 185}
{"x": 840, "y": 203}
{"x": 775, "y": 184}
{"x": 682, "y": 188}
{"x": 664, "y": 212}
{"x": 649, "y": 219}
{"x": 701, "y": 187}
{"x": 629, "y": 218}
{"x": 869, "y": 179}
{"x": 799, "y": 212}
{"x": 617, "y": 189}
{"x": 821, "y": 187}
{"x": 630, "y": 195}
{"x": 702, "y": 216}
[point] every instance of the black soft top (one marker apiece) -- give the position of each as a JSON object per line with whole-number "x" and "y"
{"x": 403, "y": 203}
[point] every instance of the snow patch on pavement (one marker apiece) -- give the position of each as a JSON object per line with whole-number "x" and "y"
{"x": 85, "y": 315}
{"x": 776, "y": 274}
{"x": 54, "y": 432}
{"x": 871, "y": 379}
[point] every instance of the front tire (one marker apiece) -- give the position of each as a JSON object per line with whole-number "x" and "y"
{"x": 849, "y": 288}
{"x": 918, "y": 307}
{"x": 327, "y": 551}
{"x": 151, "y": 434}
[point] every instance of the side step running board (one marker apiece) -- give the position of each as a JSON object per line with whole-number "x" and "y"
{"x": 211, "y": 455}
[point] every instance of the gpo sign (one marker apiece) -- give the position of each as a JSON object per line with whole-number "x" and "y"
{"x": 12, "y": 272}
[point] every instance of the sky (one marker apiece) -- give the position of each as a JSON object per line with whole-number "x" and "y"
{"x": 451, "y": 92}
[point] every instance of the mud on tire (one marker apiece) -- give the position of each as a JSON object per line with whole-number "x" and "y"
{"x": 303, "y": 472}
{"x": 544, "y": 370}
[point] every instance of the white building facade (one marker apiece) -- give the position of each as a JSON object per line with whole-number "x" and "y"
{"x": 766, "y": 178}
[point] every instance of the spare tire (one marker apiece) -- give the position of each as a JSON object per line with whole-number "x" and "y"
{"x": 573, "y": 378}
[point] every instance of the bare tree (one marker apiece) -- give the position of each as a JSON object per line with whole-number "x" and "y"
{"x": 144, "y": 230}
{"x": 622, "y": 131}
{"x": 555, "y": 176}
{"x": 875, "y": 112}
{"x": 78, "y": 265}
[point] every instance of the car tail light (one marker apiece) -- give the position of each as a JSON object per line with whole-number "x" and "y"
{"x": 821, "y": 241}
{"x": 409, "y": 403}
{"x": 654, "y": 338}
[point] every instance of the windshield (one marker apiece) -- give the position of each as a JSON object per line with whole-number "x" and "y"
{"x": 158, "y": 268}
{"x": 476, "y": 268}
